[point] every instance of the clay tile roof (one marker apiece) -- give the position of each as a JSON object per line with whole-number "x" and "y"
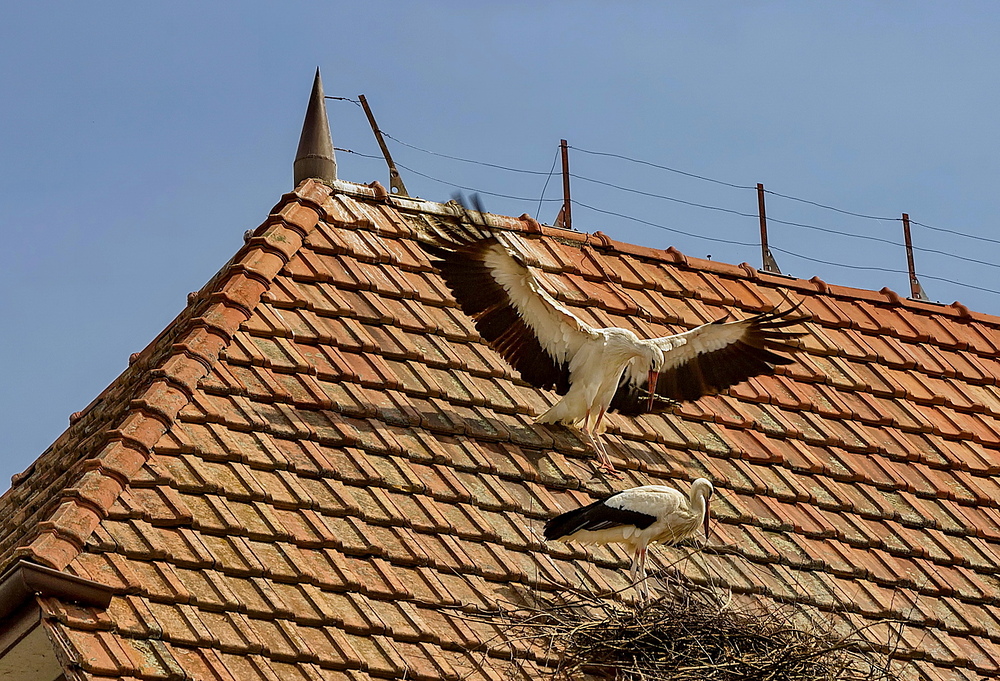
{"x": 319, "y": 463}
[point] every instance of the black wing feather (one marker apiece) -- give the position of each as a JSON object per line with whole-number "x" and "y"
{"x": 713, "y": 372}
{"x": 595, "y": 516}
{"x": 459, "y": 251}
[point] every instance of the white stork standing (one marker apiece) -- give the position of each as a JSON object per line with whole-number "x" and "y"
{"x": 637, "y": 517}
{"x": 595, "y": 370}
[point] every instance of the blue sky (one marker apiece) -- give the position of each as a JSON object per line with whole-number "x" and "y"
{"x": 140, "y": 141}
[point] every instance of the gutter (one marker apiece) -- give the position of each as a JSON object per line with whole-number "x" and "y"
{"x": 25, "y": 579}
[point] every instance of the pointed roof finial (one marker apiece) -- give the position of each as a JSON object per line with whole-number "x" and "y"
{"x": 315, "y": 157}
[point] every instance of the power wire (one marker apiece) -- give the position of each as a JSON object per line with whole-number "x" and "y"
{"x": 344, "y": 99}
{"x": 662, "y": 167}
{"x": 773, "y": 220}
{"x": 546, "y": 185}
{"x": 664, "y": 228}
{"x": 706, "y": 179}
{"x": 358, "y": 153}
{"x": 703, "y": 206}
{"x": 466, "y": 160}
{"x": 730, "y": 184}
{"x": 823, "y": 205}
{"x": 884, "y": 269}
{"x": 470, "y": 189}
{"x": 837, "y": 264}
{"x": 798, "y": 199}
{"x": 786, "y": 252}
{"x": 444, "y": 182}
{"x": 803, "y": 225}
{"x": 661, "y": 196}
{"x": 951, "y": 231}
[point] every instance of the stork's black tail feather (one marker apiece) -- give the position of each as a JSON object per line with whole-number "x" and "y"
{"x": 569, "y": 522}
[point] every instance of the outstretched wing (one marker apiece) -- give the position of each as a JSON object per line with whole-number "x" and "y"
{"x": 528, "y": 327}
{"x": 708, "y": 359}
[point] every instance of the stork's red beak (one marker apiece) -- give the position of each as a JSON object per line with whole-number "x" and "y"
{"x": 705, "y": 523}
{"x": 654, "y": 376}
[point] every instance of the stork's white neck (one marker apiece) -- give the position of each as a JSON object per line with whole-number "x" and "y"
{"x": 625, "y": 346}
{"x": 701, "y": 491}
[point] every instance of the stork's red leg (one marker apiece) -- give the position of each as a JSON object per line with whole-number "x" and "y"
{"x": 600, "y": 416}
{"x": 642, "y": 573}
{"x": 603, "y": 460}
{"x": 634, "y": 571}
{"x": 596, "y": 441}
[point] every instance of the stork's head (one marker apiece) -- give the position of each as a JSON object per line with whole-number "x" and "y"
{"x": 655, "y": 358}
{"x": 702, "y": 489}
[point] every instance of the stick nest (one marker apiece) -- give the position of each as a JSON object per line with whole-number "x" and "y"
{"x": 691, "y": 633}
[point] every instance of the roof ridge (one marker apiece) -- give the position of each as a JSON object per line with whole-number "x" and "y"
{"x": 745, "y": 270}
{"x": 227, "y": 301}
{"x": 527, "y": 224}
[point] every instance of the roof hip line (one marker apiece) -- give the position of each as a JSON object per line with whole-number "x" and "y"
{"x": 223, "y": 304}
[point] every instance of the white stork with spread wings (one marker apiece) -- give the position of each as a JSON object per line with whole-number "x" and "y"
{"x": 595, "y": 370}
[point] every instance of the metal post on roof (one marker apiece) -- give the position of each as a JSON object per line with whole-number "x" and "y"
{"x": 314, "y": 157}
{"x": 396, "y": 185}
{"x": 565, "y": 218}
{"x": 768, "y": 263}
{"x": 916, "y": 290}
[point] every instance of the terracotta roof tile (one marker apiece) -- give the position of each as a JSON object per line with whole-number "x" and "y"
{"x": 979, "y": 339}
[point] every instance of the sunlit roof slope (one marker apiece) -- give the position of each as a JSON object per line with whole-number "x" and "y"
{"x": 319, "y": 465}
